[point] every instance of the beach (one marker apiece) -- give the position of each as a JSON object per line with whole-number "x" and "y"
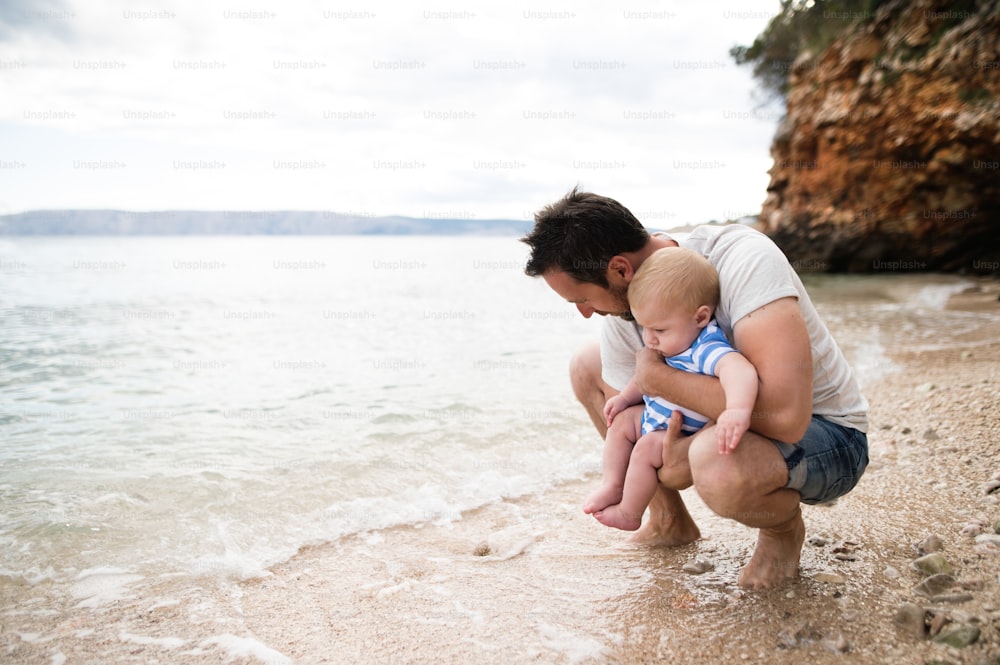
{"x": 531, "y": 579}
{"x": 557, "y": 587}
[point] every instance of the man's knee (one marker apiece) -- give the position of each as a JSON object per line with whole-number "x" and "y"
{"x": 585, "y": 371}
{"x": 721, "y": 482}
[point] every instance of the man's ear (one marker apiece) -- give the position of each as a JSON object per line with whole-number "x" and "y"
{"x": 702, "y": 316}
{"x": 620, "y": 271}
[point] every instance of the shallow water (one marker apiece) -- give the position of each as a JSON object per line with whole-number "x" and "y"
{"x": 198, "y": 409}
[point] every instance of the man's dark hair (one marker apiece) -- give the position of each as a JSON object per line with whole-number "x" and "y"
{"x": 579, "y": 233}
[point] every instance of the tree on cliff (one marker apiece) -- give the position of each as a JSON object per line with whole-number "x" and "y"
{"x": 801, "y": 26}
{"x": 887, "y": 157}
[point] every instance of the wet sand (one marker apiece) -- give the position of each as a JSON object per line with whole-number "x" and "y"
{"x": 555, "y": 586}
{"x": 535, "y": 580}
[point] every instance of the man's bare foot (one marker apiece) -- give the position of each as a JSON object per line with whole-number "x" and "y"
{"x": 606, "y": 495}
{"x": 776, "y": 557}
{"x": 669, "y": 523}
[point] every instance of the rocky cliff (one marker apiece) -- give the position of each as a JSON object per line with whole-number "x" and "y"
{"x": 889, "y": 155}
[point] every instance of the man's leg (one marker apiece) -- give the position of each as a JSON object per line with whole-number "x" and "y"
{"x": 669, "y": 522}
{"x": 589, "y": 387}
{"x": 749, "y": 486}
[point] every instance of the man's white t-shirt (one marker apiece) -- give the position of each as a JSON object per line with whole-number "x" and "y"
{"x": 752, "y": 273}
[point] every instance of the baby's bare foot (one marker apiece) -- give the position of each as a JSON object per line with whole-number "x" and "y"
{"x": 607, "y": 495}
{"x": 615, "y": 517}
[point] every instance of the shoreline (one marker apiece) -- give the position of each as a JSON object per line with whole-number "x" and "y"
{"x": 558, "y": 587}
{"x": 533, "y": 579}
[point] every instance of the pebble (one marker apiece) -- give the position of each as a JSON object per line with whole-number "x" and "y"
{"x": 698, "y": 567}
{"x": 937, "y": 621}
{"x": 931, "y": 564}
{"x": 929, "y": 545}
{"x": 829, "y": 577}
{"x": 817, "y": 541}
{"x": 988, "y": 538}
{"x": 910, "y": 617}
{"x": 986, "y": 548}
{"x": 891, "y": 573}
{"x": 972, "y": 528}
{"x": 935, "y": 585}
{"x": 958, "y": 635}
{"x": 952, "y": 598}
{"x": 837, "y": 643}
{"x": 955, "y": 616}
{"x": 788, "y": 639}
{"x": 805, "y": 635}
{"x": 992, "y": 486}
{"x": 931, "y": 435}
{"x": 925, "y": 387}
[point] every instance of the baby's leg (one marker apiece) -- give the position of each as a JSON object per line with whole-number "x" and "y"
{"x": 625, "y": 430}
{"x": 640, "y": 484}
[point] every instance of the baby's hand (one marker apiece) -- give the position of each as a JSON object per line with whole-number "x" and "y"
{"x": 730, "y": 428}
{"x": 613, "y": 407}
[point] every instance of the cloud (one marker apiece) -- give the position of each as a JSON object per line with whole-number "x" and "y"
{"x": 384, "y": 107}
{"x": 51, "y": 18}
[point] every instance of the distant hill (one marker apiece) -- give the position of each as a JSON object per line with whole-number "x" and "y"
{"x": 200, "y": 222}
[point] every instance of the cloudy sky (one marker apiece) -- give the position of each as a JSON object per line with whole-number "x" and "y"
{"x": 437, "y": 109}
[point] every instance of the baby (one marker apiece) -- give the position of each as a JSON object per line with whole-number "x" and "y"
{"x": 673, "y": 297}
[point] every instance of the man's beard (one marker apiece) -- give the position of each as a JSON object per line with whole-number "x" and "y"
{"x": 620, "y": 294}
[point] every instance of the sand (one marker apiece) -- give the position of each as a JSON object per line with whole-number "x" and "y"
{"x": 557, "y": 587}
{"x": 534, "y": 580}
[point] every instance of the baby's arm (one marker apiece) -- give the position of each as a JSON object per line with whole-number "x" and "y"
{"x": 739, "y": 381}
{"x": 629, "y": 396}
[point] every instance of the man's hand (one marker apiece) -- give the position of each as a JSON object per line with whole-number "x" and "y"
{"x": 730, "y": 428}
{"x": 647, "y": 361}
{"x": 675, "y": 473}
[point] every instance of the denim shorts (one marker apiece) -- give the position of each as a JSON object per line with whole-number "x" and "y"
{"x": 827, "y": 462}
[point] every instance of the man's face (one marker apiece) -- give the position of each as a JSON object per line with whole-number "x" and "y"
{"x": 590, "y": 299}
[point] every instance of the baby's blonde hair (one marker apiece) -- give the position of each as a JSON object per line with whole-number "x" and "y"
{"x": 675, "y": 276}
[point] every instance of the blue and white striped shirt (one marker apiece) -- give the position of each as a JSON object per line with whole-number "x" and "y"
{"x": 700, "y": 358}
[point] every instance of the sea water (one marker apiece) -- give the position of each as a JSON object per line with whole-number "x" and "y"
{"x": 203, "y": 407}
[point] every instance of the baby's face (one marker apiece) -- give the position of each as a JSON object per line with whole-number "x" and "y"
{"x": 668, "y": 329}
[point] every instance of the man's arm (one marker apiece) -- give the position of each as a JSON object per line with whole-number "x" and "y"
{"x": 775, "y": 341}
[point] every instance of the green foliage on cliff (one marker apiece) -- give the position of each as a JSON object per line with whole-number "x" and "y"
{"x": 800, "y": 26}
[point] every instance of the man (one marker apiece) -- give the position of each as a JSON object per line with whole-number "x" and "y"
{"x": 807, "y": 441}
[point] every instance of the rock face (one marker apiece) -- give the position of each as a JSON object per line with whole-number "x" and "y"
{"x": 889, "y": 155}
